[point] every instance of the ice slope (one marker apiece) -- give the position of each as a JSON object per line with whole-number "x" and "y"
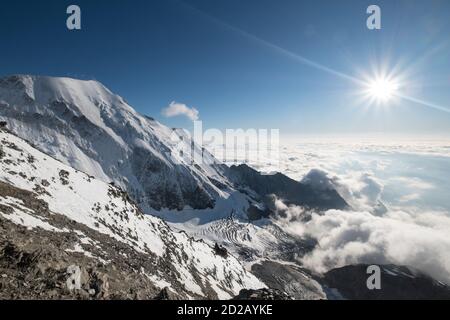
{"x": 106, "y": 209}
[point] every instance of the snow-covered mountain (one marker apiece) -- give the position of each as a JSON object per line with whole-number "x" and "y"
{"x": 53, "y": 216}
{"x": 86, "y": 126}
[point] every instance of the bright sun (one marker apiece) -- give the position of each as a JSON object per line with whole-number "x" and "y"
{"x": 382, "y": 89}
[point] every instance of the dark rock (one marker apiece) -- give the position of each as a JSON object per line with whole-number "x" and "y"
{"x": 220, "y": 251}
{"x": 166, "y": 294}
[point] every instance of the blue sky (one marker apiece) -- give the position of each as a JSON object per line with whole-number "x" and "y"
{"x": 235, "y": 62}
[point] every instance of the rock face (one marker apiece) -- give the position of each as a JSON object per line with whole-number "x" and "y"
{"x": 292, "y": 192}
{"x": 397, "y": 283}
{"x": 53, "y": 218}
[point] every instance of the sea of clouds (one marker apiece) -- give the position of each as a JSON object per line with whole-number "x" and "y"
{"x": 398, "y": 191}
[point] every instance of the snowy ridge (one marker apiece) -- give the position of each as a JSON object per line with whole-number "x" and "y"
{"x": 107, "y": 210}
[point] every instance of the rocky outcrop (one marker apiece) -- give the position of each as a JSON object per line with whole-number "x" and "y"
{"x": 35, "y": 264}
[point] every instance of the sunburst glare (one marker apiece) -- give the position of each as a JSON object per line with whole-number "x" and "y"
{"x": 382, "y": 89}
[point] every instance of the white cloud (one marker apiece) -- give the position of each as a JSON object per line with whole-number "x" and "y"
{"x": 175, "y": 109}
{"x": 398, "y": 237}
{"x": 416, "y": 239}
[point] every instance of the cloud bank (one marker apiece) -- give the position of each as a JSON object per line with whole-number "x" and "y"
{"x": 402, "y": 236}
{"x": 346, "y": 238}
{"x": 175, "y": 109}
{"x": 398, "y": 192}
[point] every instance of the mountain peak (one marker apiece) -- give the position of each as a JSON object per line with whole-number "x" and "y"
{"x": 64, "y": 99}
{"x": 44, "y": 89}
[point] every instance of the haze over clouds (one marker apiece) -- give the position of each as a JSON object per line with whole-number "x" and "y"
{"x": 175, "y": 109}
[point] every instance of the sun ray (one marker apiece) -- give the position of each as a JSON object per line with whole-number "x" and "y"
{"x": 424, "y": 103}
{"x": 393, "y": 89}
